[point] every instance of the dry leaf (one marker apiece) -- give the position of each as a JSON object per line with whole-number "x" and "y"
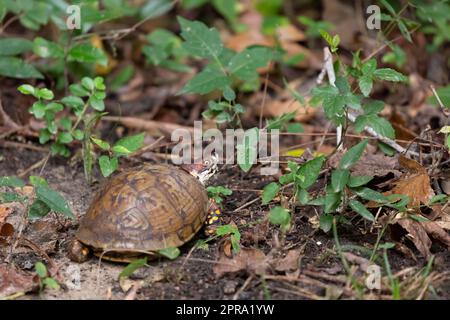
{"x": 418, "y": 235}
{"x": 289, "y": 263}
{"x": 376, "y": 165}
{"x": 250, "y": 260}
{"x": 14, "y": 281}
{"x": 415, "y": 185}
{"x": 4, "y": 212}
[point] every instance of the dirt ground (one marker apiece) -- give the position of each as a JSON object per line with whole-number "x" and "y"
{"x": 189, "y": 277}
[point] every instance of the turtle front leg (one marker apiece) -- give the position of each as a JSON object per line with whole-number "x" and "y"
{"x": 213, "y": 219}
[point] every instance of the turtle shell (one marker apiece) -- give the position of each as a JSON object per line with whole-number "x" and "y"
{"x": 148, "y": 208}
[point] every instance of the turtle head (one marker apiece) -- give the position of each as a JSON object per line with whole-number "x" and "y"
{"x": 205, "y": 169}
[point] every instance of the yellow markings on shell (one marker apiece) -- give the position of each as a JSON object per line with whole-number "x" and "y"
{"x": 217, "y": 211}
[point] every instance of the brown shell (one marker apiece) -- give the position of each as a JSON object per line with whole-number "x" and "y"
{"x": 149, "y": 208}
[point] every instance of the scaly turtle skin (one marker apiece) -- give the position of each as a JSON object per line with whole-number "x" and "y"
{"x": 145, "y": 209}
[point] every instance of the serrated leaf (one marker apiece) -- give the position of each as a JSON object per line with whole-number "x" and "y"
{"x": 365, "y": 85}
{"x": 378, "y": 124}
{"x": 269, "y": 192}
{"x": 244, "y": 65}
{"x": 199, "y": 39}
{"x": 359, "y": 208}
{"x": 13, "y": 46}
{"x": 53, "y": 200}
{"x": 389, "y": 74}
{"x": 310, "y": 171}
{"x": 208, "y": 80}
{"x": 353, "y": 155}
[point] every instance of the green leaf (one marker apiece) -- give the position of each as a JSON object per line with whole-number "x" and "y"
{"x": 78, "y": 134}
{"x": 14, "y": 46}
{"x": 102, "y": 144}
{"x": 41, "y": 269}
{"x": 365, "y": 85}
{"x": 54, "y": 201}
{"x": 172, "y": 252}
{"x": 73, "y": 102}
{"x": 78, "y": 90}
{"x": 331, "y": 202}
{"x": 389, "y": 75}
{"x": 229, "y": 94}
{"x": 208, "y": 80}
{"x": 131, "y": 143}
{"x": 27, "y": 89}
{"x": 280, "y": 216}
{"x": 378, "y": 124}
{"x": 369, "y": 67}
{"x": 310, "y": 171}
{"x": 38, "y": 210}
{"x": 64, "y": 137}
{"x": 439, "y": 198}
{"x": 108, "y": 165}
{"x": 156, "y": 8}
{"x": 99, "y": 84}
{"x": 86, "y": 52}
{"x": 44, "y": 136}
{"x": 121, "y": 78}
{"x": 45, "y": 94}
{"x": 7, "y": 197}
{"x": 357, "y": 181}
{"x": 353, "y": 155}
{"x": 38, "y": 181}
{"x": 51, "y": 283}
{"x": 47, "y": 49}
{"x": 199, "y": 39}
{"x": 369, "y": 194}
{"x": 247, "y": 150}
{"x": 17, "y": 68}
{"x": 339, "y": 179}
{"x": 96, "y": 103}
{"x": 359, "y": 208}
{"x": 132, "y": 267}
{"x": 373, "y": 107}
{"x": 11, "y": 181}
{"x": 269, "y": 192}
{"x": 326, "y": 222}
{"x": 244, "y": 65}
{"x": 88, "y": 83}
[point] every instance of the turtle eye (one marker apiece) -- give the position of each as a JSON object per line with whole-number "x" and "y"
{"x": 207, "y": 163}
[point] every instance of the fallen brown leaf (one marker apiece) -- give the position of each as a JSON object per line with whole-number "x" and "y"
{"x": 418, "y": 235}
{"x": 14, "y": 281}
{"x": 289, "y": 263}
{"x": 250, "y": 260}
{"x": 376, "y": 165}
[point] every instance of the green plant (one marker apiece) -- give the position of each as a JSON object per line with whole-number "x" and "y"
{"x": 217, "y": 193}
{"x": 436, "y": 21}
{"x": 233, "y": 232}
{"x": 225, "y": 68}
{"x": 87, "y": 104}
{"x": 45, "y": 281}
{"x": 45, "y": 200}
{"x": 165, "y": 50}
{"x": 314, "y": 27}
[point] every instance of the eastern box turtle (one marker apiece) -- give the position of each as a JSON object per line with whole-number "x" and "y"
{"x": 144, "y": 210}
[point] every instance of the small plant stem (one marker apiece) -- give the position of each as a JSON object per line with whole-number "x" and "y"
{"x": 80, "y": 117}
{"x": 377, "y": 243}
